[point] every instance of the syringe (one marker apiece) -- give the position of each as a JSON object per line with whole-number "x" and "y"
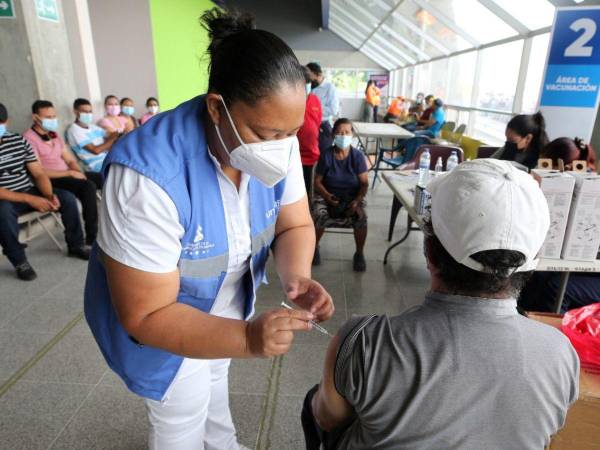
{"x": 315, "y": 325}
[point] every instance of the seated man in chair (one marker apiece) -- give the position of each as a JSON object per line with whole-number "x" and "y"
{"x": 341, "y": 184}
{"x": 24, "y": 187}
{"x": 463, "y": 370}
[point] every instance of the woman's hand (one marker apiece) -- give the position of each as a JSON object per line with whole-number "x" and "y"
{"x": 311, "y": 296}
{"x": 272, "y": 333}
{"x": 332, "y": 200}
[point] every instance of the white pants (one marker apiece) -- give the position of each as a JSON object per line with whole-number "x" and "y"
{"x": 194, "y": 414}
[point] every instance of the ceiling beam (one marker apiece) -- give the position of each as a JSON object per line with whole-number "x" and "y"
{"x": 505, "y": 16}
{"x": 446, "y": 21}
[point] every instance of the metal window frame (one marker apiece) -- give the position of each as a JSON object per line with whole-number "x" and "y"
{"x": 335, "y": 28}
{"x": 434, "y": 42}
{"x": 404, "y": 58}
{"x": 505, "y": 16}
{"x": 385, "y": 27}
{"x": 351, "y": 17}
{"x": 446, "y": 21}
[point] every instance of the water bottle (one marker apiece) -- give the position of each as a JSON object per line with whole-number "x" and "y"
{"x": 439, "y": 165}
{"x": 424, "y": 163}
{"x": 452, "y": 161}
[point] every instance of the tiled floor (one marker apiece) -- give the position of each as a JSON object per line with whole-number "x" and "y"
{"x": 56, "y": 391}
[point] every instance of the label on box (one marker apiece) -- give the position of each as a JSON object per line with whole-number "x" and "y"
{"x": 583, "y": 232}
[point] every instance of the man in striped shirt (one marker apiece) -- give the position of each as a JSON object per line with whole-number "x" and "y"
{"x": 24, "y": 187}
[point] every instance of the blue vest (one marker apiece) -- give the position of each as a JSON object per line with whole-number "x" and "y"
{"x": 172, "y": 151}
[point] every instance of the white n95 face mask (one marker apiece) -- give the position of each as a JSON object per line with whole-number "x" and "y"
{"x": 268, "y": 161}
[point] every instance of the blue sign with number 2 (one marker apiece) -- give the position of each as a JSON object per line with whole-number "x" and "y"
{"x": 573, "y": 71}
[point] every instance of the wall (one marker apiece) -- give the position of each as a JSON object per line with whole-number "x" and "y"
{"x": 179, "y": 47}
{"x": 297, "y": 22}
{"x": 83, "y": 54}
{"x": 18, "y": 88}
{"x": 51, "y": 56}
{"x": 124, "y": 50}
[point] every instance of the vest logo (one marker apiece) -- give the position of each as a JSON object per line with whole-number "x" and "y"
{"x": 198, "y": 246}
{"x": 199, "y": 235}
{"x": 274, "y": 210}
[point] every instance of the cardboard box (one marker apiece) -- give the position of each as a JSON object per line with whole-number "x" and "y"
{"x": 558, "y": 190}
{"x": 582, "y": 238}
{"x": 582, "y": 427}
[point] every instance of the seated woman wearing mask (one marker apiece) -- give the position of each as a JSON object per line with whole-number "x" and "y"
{"x": 525, "y": 138}
{"x": 341, "y": 184}
{"x": 127, "y": 112}
{"x": 194, "y": 202}
{"x": 152, "y": 106}
{"x": 113, "y": 121}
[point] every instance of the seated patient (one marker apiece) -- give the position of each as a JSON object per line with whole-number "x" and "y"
{"x": 25, "y": 187}
{"x": 60, "y": 165}
{"x": 568, "y": 150}
{"x": 463, "y": 370}
{"x": 341, "y": 184}
{"x": 89, "y": 142}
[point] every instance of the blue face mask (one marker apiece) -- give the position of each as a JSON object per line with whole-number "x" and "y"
{"x": 50, "y": 124}
{"x": 129, "y": 110}
{"x": 342, "y": 141}
{"x": 2, "y": 129}
{"x": 86, "y": 118}
{"x": 308, "y": 88}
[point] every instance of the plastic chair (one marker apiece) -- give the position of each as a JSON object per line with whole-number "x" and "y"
{"x": 486, "y": 151}
{"x": 436, "y": 151}
{"x": 448, "y": 126}
{"x": 394, "y": 162}
{"x": 470, "y": 146}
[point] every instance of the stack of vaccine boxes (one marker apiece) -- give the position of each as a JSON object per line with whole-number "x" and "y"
{"x": 558, "y": 190}
{"x": 574, "y": 204}
{"x": 582, "y": 238}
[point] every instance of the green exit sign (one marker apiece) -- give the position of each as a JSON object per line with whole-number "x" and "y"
{"x": 46, "y": 9}
{"x": 7, "y": 9}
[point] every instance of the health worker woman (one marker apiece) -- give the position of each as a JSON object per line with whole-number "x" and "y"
{"x": 192, "y": 204}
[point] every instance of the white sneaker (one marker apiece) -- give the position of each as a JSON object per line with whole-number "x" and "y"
{"x": 243, "y": 447}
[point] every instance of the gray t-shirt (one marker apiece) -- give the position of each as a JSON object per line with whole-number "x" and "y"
{"x": 455, "y": 372}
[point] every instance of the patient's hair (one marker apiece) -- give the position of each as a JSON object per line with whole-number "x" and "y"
{"x": 499, "y": 277}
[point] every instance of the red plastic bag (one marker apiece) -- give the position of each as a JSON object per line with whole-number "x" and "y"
{"x": 582, "y": 327}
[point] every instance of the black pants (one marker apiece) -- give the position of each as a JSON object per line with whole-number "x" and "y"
{"x": 325, "y": 136}
{"x": 307, "y": 171}
{"x": 375, "y": 109}
{"x": 9, "y": 227}
{"x": 85, "y": 191}
{"x": 314, "y": 436}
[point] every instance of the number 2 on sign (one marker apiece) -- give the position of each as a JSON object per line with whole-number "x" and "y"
{"x": 579, "y": 47}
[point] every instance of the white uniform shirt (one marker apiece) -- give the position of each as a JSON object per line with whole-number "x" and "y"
{"x": 139, "y": 226}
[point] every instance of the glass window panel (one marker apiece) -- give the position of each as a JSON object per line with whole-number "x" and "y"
{"x": 475, "y": 19}
{"x": 499, "y": 74}
{"x": 423, "y": 78}
{"x": 438, "y": 81}
{"x": 429, "y": 25}
{"x": 461, "y": 74}
{"x": 534, "y": 14}
{"x": 535, "y": 72}
{"x": 394, "y": 27}
{"x": 410, "y": 87}
{"x": 490, "y": 127}
{"x": 344, "y": 80}
{"x": 389, "y": 45}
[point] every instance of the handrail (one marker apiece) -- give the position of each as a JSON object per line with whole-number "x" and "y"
{"x": 474, "y": 108}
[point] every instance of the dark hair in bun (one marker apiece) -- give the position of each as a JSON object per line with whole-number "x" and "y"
{"x": 533, "y": 124}
{"x": 246, "y": 64}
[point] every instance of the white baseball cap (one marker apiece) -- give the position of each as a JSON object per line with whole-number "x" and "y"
{"x": 488, "y": 204}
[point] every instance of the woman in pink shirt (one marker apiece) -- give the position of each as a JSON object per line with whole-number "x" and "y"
{"x": 112, "y": 121}
{"x": 152, "y": 105}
